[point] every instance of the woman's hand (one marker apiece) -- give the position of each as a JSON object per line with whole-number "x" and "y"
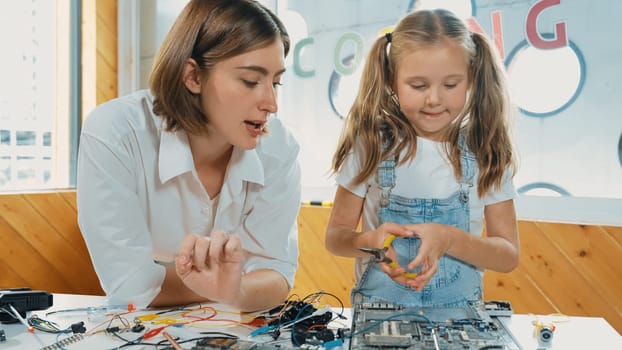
{"x": 212, "y": 266}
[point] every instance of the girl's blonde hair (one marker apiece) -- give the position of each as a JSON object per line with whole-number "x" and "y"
{"x": 207, "y": 31}
{"x": 376, "y": 124}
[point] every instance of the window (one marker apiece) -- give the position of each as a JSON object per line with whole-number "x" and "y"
{"x": 37, "y": 123}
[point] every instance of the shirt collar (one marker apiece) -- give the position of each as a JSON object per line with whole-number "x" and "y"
{"x": 245, "y": 165}
{"x": 176, "y": 158}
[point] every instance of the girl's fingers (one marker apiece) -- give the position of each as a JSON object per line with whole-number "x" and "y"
{"x": 392, "y": 272}
{"x": 427, "y": 272}
{"x": 396, "y": 229}
{"x": 415, "y": 263}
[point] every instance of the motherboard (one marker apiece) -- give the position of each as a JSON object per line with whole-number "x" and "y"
{"x": 393, "y": 326}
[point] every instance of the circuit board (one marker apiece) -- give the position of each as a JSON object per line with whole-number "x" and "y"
{"x": 393, "y": 326}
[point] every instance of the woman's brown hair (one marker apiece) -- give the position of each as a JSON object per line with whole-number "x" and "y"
{"x": 207, "y": 31}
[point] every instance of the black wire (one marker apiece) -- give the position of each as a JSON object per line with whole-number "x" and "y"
{"x": 320, "y": 293}
{"x": 201, "y": 338}
{"x": 221, "y": 334}
{"x": 137, "y": 341}
{"x": 293, "y": 331}
{"x": 178, "y": 308}
{"x": 123, "y": 321}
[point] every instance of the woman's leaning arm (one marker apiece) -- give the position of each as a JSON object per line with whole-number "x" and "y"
{"x": 260, "y": 289}
{"x": 174, "y": 291}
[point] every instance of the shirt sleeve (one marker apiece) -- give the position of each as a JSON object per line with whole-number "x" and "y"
{"x": 348, "y": 171}
{"x": 112, "y": 221}
{"x": 505, "y": 192}
{"x": 270, "y": 229}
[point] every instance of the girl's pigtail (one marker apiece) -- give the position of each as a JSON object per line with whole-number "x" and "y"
{"x": 488, "y": 136}
{"x": 364, "y": 121}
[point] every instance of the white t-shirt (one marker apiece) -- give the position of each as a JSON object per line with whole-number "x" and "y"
{"x": 138, "y": 194}
{"x": 428, "y": 175}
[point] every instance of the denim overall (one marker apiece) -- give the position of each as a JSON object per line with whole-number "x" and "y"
{"x": 455, "y": 283}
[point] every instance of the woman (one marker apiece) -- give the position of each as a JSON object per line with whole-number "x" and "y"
{"x": 188, "y": 192}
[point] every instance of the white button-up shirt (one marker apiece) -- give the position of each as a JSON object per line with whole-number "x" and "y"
{"x": 138, "y": 194}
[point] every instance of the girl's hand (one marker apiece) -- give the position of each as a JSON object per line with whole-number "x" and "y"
{"x": 435, "y": 242}
{"x": 212, "y": 266}
{"x": 380, "y": 235}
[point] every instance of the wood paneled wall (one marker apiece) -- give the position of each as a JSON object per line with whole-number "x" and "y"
{"x": 564, "y": 268}
{"x": 41, "y": 246}
{"x": 99, "y": 53}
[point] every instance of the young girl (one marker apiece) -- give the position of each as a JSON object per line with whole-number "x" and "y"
{"x": 424, "y": 156}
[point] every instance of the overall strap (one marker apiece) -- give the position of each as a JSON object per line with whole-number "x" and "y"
{"x": 468, "y": 164}
{"x": 386, "y": 179}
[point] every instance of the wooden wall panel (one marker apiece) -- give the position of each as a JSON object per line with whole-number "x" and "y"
{"x": 99, "y": 53}
{"x": 615, "y": 233}
{"x": 311, "y": 226}
{"x": 500, "y": 286}
{"x": 555, "y": 274}
{"x": 41, "y": 244}
{"x": 106, "y": 31}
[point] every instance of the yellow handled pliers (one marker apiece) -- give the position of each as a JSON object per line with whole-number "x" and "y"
{"x": 381, "y": 257}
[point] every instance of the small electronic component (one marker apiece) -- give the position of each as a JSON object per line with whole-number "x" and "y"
{"x": 315, "y": 336}
{"x": 389, "y": 334}
{"x": 61, "y": 344}
{"x": 216, "y": 343}
{"x": 498, "y": 308}
{"x": 23, "y": 300}
{"x": 543, "y": 332}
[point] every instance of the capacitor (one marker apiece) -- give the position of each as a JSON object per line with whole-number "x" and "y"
{"x": 544, "y": 332}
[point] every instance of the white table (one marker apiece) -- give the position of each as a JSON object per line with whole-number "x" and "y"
{"x": 570, "y": 332}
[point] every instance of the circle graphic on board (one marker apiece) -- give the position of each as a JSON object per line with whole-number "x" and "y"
{"x": 620, "y": 150}
{"x": 545, "y": 82}
{"x": 342, "y": 89}
{"x": 543, "y": 188}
